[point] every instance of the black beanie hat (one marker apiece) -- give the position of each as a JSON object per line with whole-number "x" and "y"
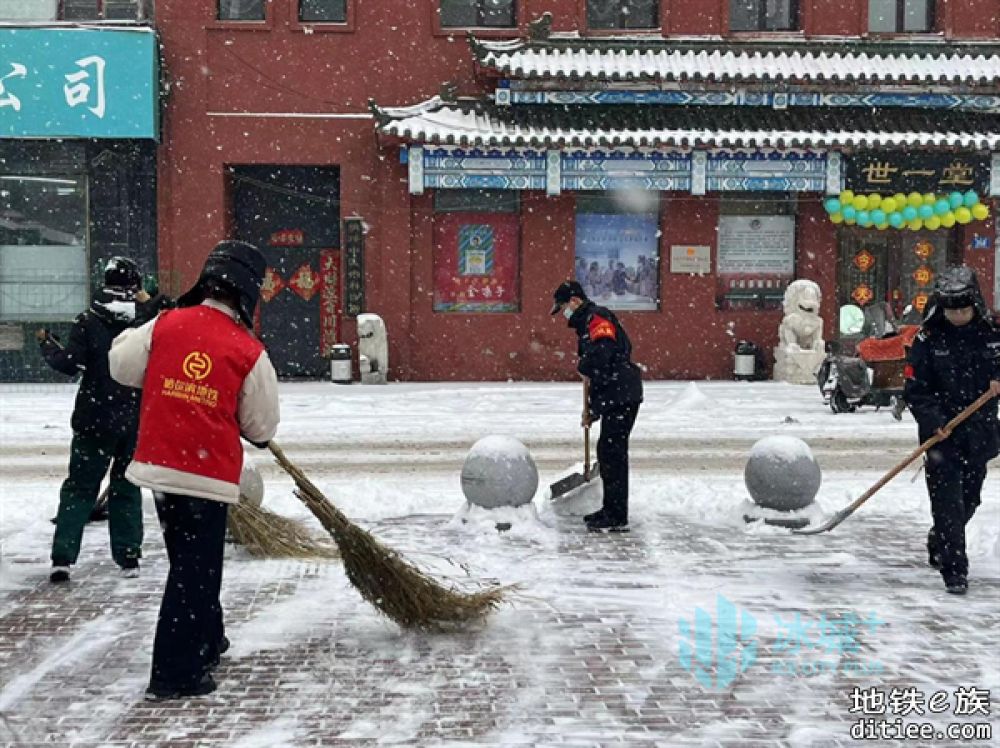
{"x": 236, "y": 266}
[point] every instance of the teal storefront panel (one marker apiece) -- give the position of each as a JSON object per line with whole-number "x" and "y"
{"x": 78, "y": 83}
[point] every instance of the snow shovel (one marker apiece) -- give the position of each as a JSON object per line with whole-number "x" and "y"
{"x": 838, "y": 517}
{"x": 570, "y": 482}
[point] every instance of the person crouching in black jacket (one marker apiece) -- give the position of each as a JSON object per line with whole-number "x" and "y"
{"x": 953, "y": 361}
{"x": 104, "y": 422}
{"x": 604, "y": 357}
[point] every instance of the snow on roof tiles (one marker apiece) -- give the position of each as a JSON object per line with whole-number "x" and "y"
{"x": 437, "y": 122}
{"x": 667, "y": 61}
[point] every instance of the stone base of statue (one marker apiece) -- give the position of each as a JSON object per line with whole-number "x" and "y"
{"x": 796, "y": 366}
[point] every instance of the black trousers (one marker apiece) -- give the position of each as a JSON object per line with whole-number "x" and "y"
{"x": 954, "y": 484}
{"x": 189, "y": 628}
{"x": 612, "y": 454}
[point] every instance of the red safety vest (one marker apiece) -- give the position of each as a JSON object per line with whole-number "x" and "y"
{"x": 198, "y": 360}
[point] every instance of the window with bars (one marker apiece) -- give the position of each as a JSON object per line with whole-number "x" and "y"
{"x": 76, "y": 10}
{"x": 623, "y": 14}
{"x": 323, "y": 11}
{"x": 763, "y": 15}
{"x": 901, "y": 16}
{"x": 241, "y": 10}
{"x": 478, "y": 13}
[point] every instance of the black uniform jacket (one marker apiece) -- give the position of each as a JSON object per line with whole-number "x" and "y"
{"x": 104, "y": 408}
{"x": 605, "y": 354}
{"x": 948, "y": 367}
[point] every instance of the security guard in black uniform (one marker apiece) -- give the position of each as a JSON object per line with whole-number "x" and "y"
{"x": 604, "y": 352}
{"x": 955, "y": 359}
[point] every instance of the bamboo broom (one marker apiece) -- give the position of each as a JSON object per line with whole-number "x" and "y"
{"x": 385, "y": 579}
{"x": 268, "y": 535}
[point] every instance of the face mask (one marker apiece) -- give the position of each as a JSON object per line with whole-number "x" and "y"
{"x": 567, "y": 311}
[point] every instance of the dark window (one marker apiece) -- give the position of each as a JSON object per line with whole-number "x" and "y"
{"x": 763, "y": 15}
{"x": 473, "y": 13}
{"x": 623, "y": 14}
{"x": 241, "y": 10}
{"x": 323, "y": 11}
{"x": 96, "y": 10}
{"x": 475, "y": 201}
{"x": 900, "y": 16}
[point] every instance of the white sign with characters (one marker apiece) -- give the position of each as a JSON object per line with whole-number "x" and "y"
{"x": 757, "y": 244}
{"x": 688, "y": 259}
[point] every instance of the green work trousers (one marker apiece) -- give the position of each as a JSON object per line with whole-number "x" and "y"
{"x": 88, "y": 462}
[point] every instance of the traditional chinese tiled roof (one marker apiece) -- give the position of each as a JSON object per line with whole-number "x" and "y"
{"x": 570, "y": 58}
{"x": 478, "y": 124}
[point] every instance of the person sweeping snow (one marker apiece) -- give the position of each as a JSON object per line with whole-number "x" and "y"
{"x": 953, "y": 361}
{"x": 205, "y": 382}
{"x": 605, "y": 352}
{"x": 104, "y": 425}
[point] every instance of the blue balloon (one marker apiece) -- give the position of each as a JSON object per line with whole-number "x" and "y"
{"x": 942, "y": 206}
{"x": 896, "y": 219}
{"x": 850, "y": 213}
{"x": 878, "y": 217}
{"x": 864, "y": 218}
{"x": 909, "y": 213}
{"x": 925, "y": 211}
{"x": 970, "y": 198}
{"x": 955, "y": 199}
{"x": 832, "y": 205}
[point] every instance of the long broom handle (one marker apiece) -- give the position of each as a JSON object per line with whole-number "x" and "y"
{"x": 952, "y": 424}
{"x": 586, "y": 429}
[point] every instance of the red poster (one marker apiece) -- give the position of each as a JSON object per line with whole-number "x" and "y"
{"x": 329, "y": 300}
{"x": 476, "y": 262}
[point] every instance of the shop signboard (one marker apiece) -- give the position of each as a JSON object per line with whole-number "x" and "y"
{"x": 890, "y": 173}
{"x": 354, "y": 267}
{"x": 616, "y": 259}
{"x": 78, "y": 83}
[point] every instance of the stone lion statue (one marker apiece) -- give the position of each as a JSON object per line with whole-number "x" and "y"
{"x": 802, "y": 327}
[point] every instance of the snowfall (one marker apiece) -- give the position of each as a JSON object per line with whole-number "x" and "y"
{"x": 592, "y": 646}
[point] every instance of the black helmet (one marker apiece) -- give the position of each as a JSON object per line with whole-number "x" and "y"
{"x": 235, "y": 266}
{"x": 957, "y": 287}
{"x": 121, "y": 272}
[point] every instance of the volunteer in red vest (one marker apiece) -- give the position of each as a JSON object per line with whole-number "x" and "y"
{"x": 206, "y": 381}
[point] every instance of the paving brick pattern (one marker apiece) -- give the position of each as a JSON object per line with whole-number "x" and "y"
{"x": 586, "y": 656}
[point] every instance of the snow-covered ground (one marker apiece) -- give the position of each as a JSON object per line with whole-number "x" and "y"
{"x": 391, "y": 456}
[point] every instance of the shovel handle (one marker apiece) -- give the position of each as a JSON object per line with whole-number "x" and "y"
{"x": 586, "y": 428}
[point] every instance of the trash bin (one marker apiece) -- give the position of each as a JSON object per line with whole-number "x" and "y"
{"x": 340, "y": 364}
{"x": 745, "y": 361}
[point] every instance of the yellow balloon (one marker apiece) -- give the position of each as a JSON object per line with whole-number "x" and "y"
{"x": 846, "y": 197}
{"x": 916, "y": 224}
{"x": 980, "y": 211}
{"x": 915, "y": 199}
{"x": 948, "y": 220}
{"x": 874, "y": 201}
{"x": 900, "y": 199}
{"x": 930, "y": 199}
{"x": 860, "y": 202}
{"x": 836, "y": 218}
{"x": 933, "y": 223}
{"x": 963, "y": 215}
{"x": 882, "y": 226}
{"x": 889, "y": 205}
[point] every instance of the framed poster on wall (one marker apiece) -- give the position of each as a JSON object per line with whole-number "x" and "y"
{"x": 476, "y": 262}
{"x": 616, "y": 259}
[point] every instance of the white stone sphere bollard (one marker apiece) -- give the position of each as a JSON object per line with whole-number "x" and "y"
{"x": 499, "y": 471}
{"x": 782, "y": 474}
{"x": 251, "y": 484}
